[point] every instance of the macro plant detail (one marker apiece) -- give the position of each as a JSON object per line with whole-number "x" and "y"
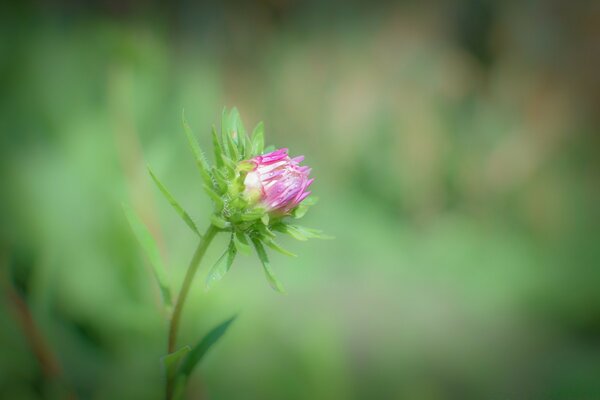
{"x": 256, "y": 192}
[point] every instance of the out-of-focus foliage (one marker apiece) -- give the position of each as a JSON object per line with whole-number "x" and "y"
{"x": 455, "y": 155}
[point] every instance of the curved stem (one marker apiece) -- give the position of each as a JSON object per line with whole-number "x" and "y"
{"x": 187, "y": 283}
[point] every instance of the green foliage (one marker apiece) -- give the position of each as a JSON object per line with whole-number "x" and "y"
{"x": 178, "y": 209}
{"x": 172, "y": 361}
{"x": 222, "y": 265}
{"x": 264, "y": 259}
{"x": 200, "y": 349}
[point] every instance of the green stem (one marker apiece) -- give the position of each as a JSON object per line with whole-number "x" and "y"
{"x": 185, "y": 288}
{"x": 187, "y": 283}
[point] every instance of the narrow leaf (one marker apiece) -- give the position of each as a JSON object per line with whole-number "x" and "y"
{"x": 264, "y": 259}
{"x": 219, "y": 222}
{"x": 234, "y": 152}
{"x": 300, "y": 232}
{"x": 151, "y": 249}
{"x": 171, "y": 361}
{"x": 217, "y": 147}
{"x": 178, "y": 209}
{"x": 222, "y": 265}
{"x": 272, "y": 244}
{"x": 303, "y": 207}
{"x": 215, "y": 197}
{"x": 258, "y": 139}
{"x": 201, "y": 162}
{"x": 237, "y": 130}
{"x": 198, "y": 352}
{"x": 241, "y": 242}
{"x": 225, "y": 131}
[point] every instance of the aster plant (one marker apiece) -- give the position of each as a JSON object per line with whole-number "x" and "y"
{"x": 257, "y": 192}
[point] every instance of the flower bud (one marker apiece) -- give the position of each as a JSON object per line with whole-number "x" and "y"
{"x": 277, "y": 182}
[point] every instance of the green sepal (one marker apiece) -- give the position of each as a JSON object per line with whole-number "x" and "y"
{"x": 241, "y": 242}
{"x": 258, "y": 139}
{"x": 272, "y": 244}
{"x": 215, "y": 198}
{"x": 180, "y": 211}
{"x": 217, "y": 148}
{"x": 201, "y": 162}
{"x": 300, "y": 232}
{"x": 151, "y": 249}
{"x": 264, "y": 259}
{"x": 252, "y": 215}
{"x": 231, "y": 145}
{"x": 220, "y": 179}
{"x": 237, "y": 130}
{"x": 265, "y": 219}
{"x": 225, "y": 131}
{"x": 303, "y": 207}
{"x": 245, "y": 166}
{"x": 219, "y": 222}
{"x": 222, "y": 265}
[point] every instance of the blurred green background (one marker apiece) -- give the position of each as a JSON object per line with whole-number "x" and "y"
{"x": 455, "y": 151}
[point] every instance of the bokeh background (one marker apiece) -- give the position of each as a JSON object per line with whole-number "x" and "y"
{"x": 455, "y": 152}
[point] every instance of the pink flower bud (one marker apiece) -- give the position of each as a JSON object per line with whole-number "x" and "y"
{"x": 278, "y": 183}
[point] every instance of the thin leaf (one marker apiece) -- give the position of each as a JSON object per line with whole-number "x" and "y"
{"x": 215, "y": 197}
{"x": 241, "y": 242}
{"x": 151, "y": 249}
{"x": 201, "y": 162}
{"x": 219, "y": 222}
{"x": 217, "y": 148}
{"x": 231, "y": 145}
{"x": 171, "y": 361}
{"x": 198, "y": 352}
{"x": 264, "y": 259}
{"x": 300, "y": 232}
{"x": 222, "y": 265}
{"x": 272, "y": 244}
{"x": 258, "y": 139}
{"x": 225, "y": 127}
{"x": 184, "y": 215}
{"x": 265, "y": 219}
{"x": 303, "y": 207}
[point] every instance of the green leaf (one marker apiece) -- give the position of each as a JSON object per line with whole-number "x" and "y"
{"x": 219, "y": 222}
{"x": 215, "y": 197}
{"x": 217, "y": 148}
{"x": 238, "y": 132}
{"x": 198, "y": 352}
{"x": 253, "y": 215}
{"x": 264, "y": 259}
{"x": 300, "y": 232}
{"x": 241, "y": 242}
{"x": 234, "y": 152}
{"x": 222, "y": 266}
{"x": 258, "y": 139}
{"x": 151, "y": 249}
{"x": 272, "y": 244}
{"x": 269, "y": 149}
{"x": 178, "y": 209}
{"x": 172, "y": 361}
{"x": 303, "y": 207}
{"x": 265, "y": 219}
{"x": 225, "y": 128}
{"x": 201, "y": 162}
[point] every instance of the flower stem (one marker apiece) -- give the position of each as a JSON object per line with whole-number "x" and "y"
{"x": 187, "y": 283}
